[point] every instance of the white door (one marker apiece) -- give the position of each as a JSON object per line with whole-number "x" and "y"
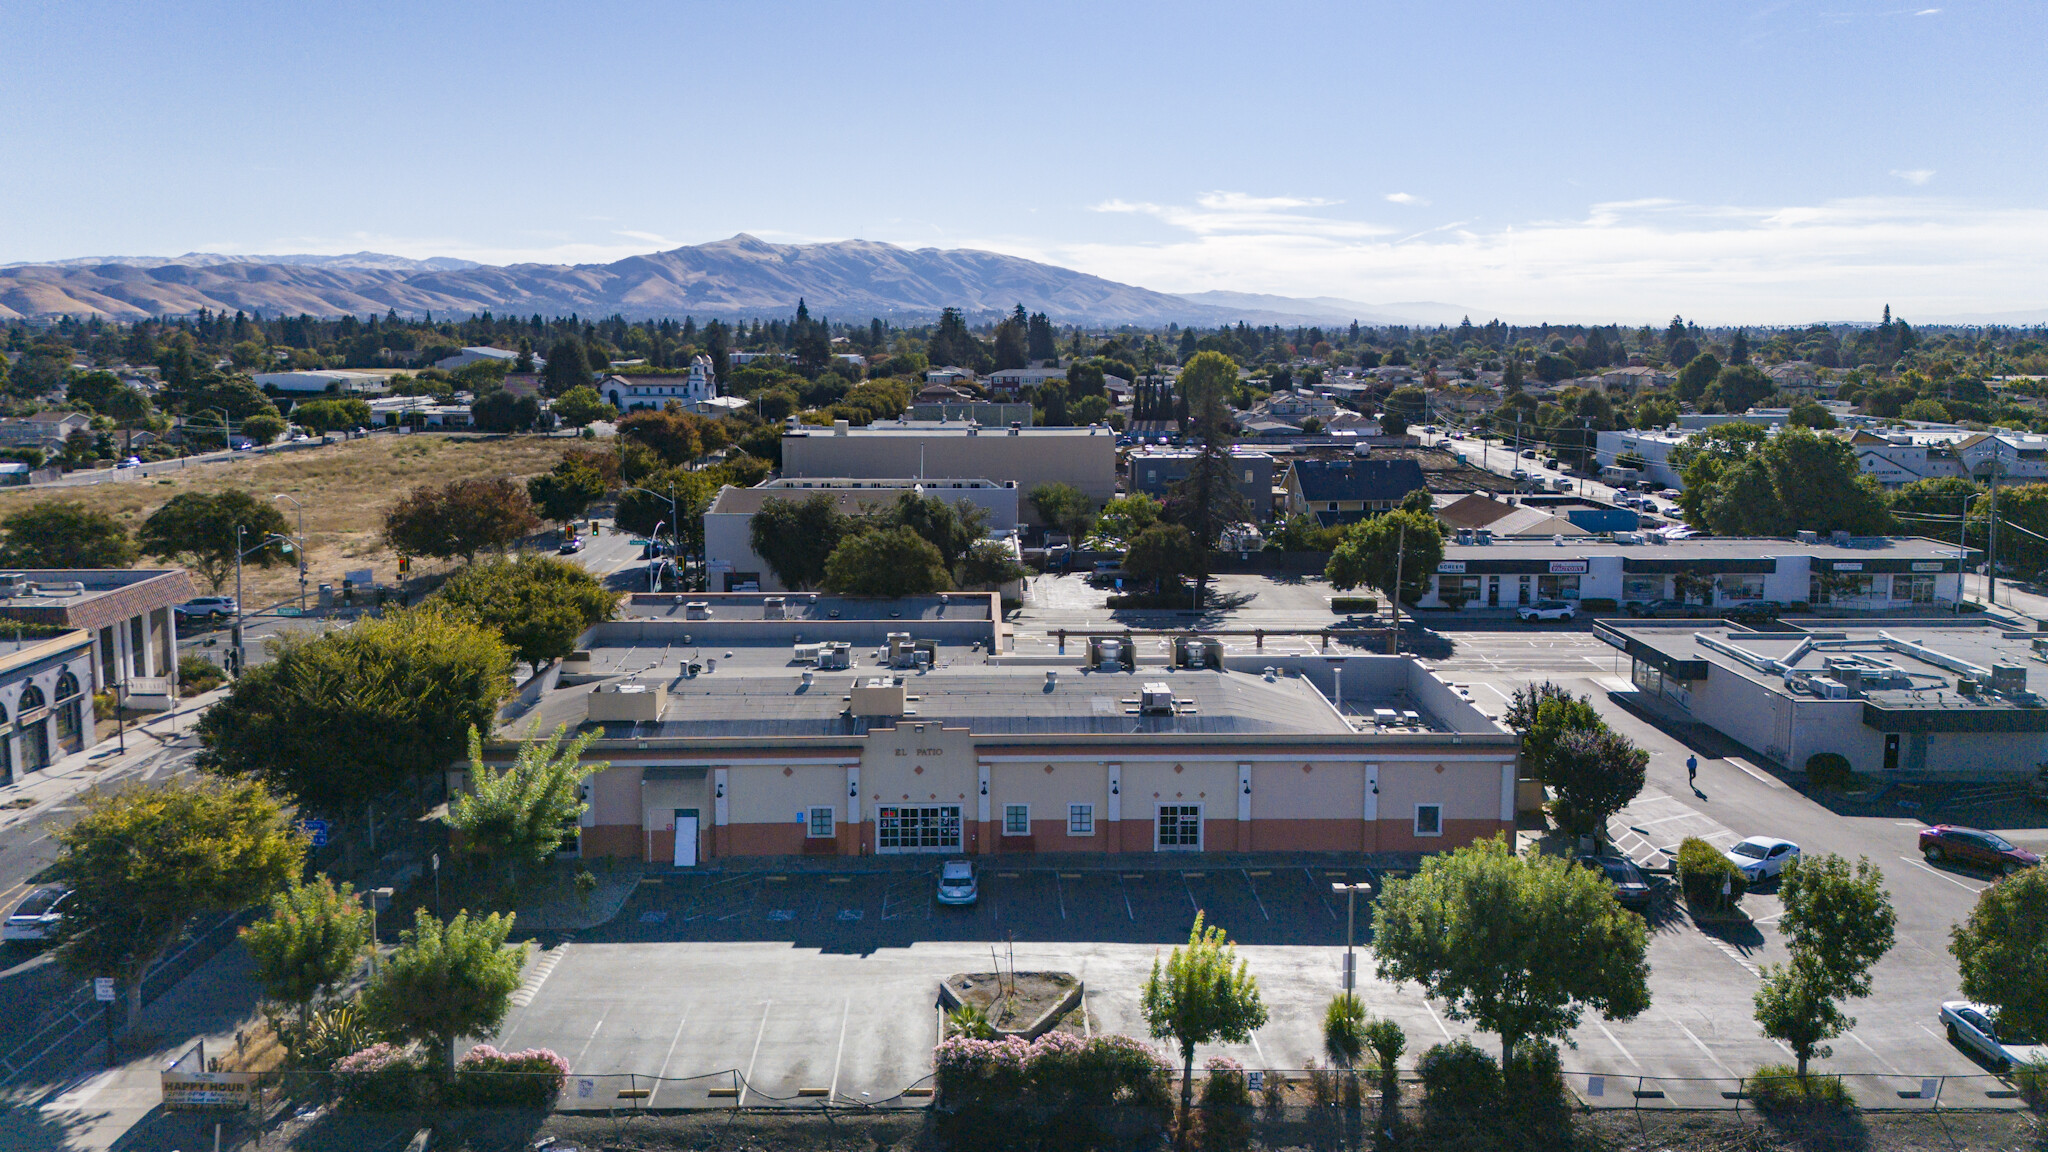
{"x": 686, "y": 840}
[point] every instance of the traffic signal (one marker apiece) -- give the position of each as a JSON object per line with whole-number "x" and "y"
{"x": 404, "y": 564}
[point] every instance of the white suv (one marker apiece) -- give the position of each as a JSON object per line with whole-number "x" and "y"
{"x": 206, "y": 608}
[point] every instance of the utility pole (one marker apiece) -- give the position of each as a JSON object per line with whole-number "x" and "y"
{"x": 1991, "y": 541}
{"x": 1962, "y": 553}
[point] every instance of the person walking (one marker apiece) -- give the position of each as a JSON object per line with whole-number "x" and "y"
{"x": 1692, "y": 772}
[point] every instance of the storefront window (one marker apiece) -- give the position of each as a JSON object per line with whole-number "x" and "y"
{"x": 1557, "y": 587}
{"x": 1642, "y": 588}
{"x": 1918, "y": 589}
{"x": 1742, "y": 587}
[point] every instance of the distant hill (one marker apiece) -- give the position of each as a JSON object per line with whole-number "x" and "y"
{"x": 740, "y": 277}
{"x": 1332, "y": 310}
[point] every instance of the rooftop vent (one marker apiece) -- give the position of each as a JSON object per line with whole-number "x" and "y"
{"x": 879, "y": 696}
{"x": 2008, "y": 679}
{"x": 629, "y": 701}
{"x": 1809, "y": 537}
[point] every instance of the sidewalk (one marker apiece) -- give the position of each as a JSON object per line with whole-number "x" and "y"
{"x": 93, "y": 1107}
{"x": 81, "y": 770}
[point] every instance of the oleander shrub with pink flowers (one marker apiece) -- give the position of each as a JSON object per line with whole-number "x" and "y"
{"x": 488, "y": 1078}
{"x": 382, "y": 1078}
{"x": 1055, "y": 1091}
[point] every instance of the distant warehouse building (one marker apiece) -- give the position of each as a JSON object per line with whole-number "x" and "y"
{"x": 822, "y": 726}
{"x": 1862, "y": 572}
{"x": 1026, "y": 457}
{"x": 1926, "y": 699}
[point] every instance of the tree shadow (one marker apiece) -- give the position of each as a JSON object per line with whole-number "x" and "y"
{"x": 25, "y": 1126}
{"x": 1818, "y": 1129}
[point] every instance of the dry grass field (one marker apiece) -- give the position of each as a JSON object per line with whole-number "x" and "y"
{"x": 346, "y": 489}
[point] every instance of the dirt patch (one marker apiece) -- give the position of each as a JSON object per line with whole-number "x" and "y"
{"x": 346, "y": 488}
{"x": 1012, "y": 1002}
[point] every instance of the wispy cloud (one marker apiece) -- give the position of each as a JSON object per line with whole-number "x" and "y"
{"x": 1621, "y": 260}
{"x": 1408, "y": 198}
{"x": 1235, "y": 213}
{"x": 1928, "y": 12}
{"x": 1914, "y": 176}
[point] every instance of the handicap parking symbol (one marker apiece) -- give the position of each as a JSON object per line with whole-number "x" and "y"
{"x": 851, "y": 913}
{"x": 653, "y": 916}
{"x": 585, "y": 1089}
{"x": 781, "y": 914}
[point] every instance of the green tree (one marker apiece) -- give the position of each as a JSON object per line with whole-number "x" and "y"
{"x": 1206, "y": 501}
{"x": 990, "y": 564}
{"x": 65, "y": 534}
{"x": 887, "y": 562}
{"x": 1123, "y": 518}
{"x": 198, "y": 530}
{"x": 567, "y": 490}
{"x": 343, "y": 718}
{"x": 500, "y": 410}
{"x": 798, "y": 537}
{"x": 332, "y": 414}
{"x": 104, "y": 393}
{"x": 263, "y": 429}
{"x": 519, "y": 817}
{"x": 1163, "y": 554}
{"x": 1202, "y": 994}
{"x": 951, "y": 528}
{"x": 1597, "y": 773}
{"x": 1065, "y": 507}
{"x": 567, "y": 367}
{"x": 1838, "y": 923}
{"x": 143, "y": 861}
{"x": 446, "y": 981}
{"x": 694, "y": 490}
{"x": 581, "y": 406}
{"x": 2001, "y": 951}
{"x": 1808, "y": 414}
{"x": 460, "y": 519}
{"x": 311, "y": 942}
{"x": 1694, "y": 378}
{"x": 1387, "y": 1042}
{"x": 539, "y": 605}
{"x": 1373, "y": 551}
{"x": 1521, "y": 946}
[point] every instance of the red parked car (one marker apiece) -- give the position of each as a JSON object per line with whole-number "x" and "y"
{"x": 1975, "y": 847}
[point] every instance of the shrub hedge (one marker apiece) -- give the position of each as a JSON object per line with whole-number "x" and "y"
{"x": 1701, "y": 870}
{"x": 387, "y": 1078}
{"x": 1350, "y": 604}
{"x": 1057, "y": 1091}
{"x": 1780, "y": 1088}
{"x": 1829, "y": 770}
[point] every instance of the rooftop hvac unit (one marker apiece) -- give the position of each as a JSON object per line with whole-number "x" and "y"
{"x": 1829, "y": 688}
{"x": 1839, "y": 538}
{"x": 1966, "y": 686}
{"x": 774, "y": 608}
{"x": 1155, "y": 699}
{"x": 1485, "y": 535}
{"x": 1809, "y": 537}
{"x": 1464, "y": 535}
{"x": 2008, "y": 679}
{"x": 836, "y": 656}
{"x": 807, "y": 653}
{"x": 697, "y": 610}
{"x": 14, "y": 584}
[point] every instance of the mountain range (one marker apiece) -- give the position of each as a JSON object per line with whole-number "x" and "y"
{"x": 739, "y": 277}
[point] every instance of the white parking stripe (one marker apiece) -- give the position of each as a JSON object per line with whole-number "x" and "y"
{"x": 748, "y": 1085}
{"x": 665, "y": 1059}
{"x": 1701, "y": 1044}
{"x": 1940, "y": 873}
{"x": 1617, "y": 1045}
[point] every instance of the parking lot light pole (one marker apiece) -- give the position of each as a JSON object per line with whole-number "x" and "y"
{"x": 302, "y": 547}
{"x": 1350, "y": 893}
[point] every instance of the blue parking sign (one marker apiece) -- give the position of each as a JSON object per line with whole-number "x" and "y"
{"x": 317, "y": 829}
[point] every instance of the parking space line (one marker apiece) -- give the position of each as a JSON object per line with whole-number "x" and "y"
{"x": 1126, "y": 890}
{"x": 1255, "y": 897}
{"x": 1700, "y": 1043}
{"x": 1439, "y": 1020}
{"x": 840, "y": 1054}
{"x": 1060, "y": 889}
{"x": 1873, "y": 1053}
{"x": 661, "y": 1077}
{"x": 748, "y": 1085}
{"x": 1190, "y": 891}
{"x": 1617, "y": 1045}
{"x": 1940, "y": 873}
{"x": 578, "y": 1064}
{"x": 1322, "y": 891}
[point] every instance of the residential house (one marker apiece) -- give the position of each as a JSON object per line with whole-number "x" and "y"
{"x": 45, "y": 430}
{"x": 1154, "y": 472}
{"x": 1346, "y": 491}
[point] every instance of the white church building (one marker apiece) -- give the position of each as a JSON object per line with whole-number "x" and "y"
{"x": 696, "y": 391}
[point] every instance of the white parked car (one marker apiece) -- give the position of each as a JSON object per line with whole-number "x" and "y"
{"x": 956, "y": 882}
{"x": 1547, "y": 610}
{"x": 36, "y": 917}
{"x": 206, "y": 608}
{"x": 1762, "y": 857}
{"x": 1973, "y": 1026}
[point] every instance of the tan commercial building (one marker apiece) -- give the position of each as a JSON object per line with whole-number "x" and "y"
{"x": 1027, "y": 457}
{"x": 750, "y": 725}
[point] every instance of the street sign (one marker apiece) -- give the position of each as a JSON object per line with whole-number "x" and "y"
{"x": 289, "y": 610}
{"x": 103, "y": 989}
{"x": 317, "y": 829}
{"x": 637, "y": 543}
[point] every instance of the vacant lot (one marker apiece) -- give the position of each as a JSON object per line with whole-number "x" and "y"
{"x": 346, "y": 489}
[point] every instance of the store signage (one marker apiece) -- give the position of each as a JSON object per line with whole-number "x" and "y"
{"x": 1450, "y": 566}
{"x": 1567, "y": 567}
{"x": 1926, "y": 565}
{"x": 1848, "y": 565}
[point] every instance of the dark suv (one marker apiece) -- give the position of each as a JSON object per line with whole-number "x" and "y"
{"x": 1661, "y": 608}
{"x": 1631, "y": 890}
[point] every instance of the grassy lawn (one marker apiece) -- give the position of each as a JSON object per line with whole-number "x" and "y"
{"x": 346, "y": 489}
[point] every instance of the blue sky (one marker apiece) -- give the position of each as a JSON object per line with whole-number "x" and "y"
{"x": 1739, "y": 162}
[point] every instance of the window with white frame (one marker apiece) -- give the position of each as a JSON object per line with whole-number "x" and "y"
{"x": 820, "y": 822}
{"x": 1016, "y": 819}
{"x": 1429, "y": 819}
{"x": 1080, "y": 819}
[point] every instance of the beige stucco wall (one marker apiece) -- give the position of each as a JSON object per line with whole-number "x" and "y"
{"x": 1071, "y": 457}
{"x": 1328, "y": 790}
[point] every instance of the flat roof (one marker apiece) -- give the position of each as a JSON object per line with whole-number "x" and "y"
{"x": 1905, "y": 671}
{"x": 729, "y": 607}
{"x": 92, "y": 597}
{"x": 1713, "y": 547}
{"x": 948, "y": 428}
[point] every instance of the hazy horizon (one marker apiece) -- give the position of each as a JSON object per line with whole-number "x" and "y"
{"x": 1763, "y": 163}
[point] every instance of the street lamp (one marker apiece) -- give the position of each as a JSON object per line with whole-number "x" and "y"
{"x": 241, "y": 650}
{"x": 302, "y": 548}
{"x": 1350, "y": 893}
{"x": 674, "y": 522}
